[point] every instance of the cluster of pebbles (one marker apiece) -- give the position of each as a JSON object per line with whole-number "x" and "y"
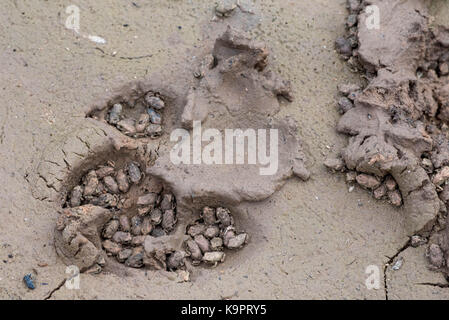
{"x": 142, "y": 120}
{"x": 152, "y": 213}
{"x": 347, "y": 45}
{"x": 211, "y": 234}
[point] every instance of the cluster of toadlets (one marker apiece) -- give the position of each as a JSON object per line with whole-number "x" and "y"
{"x": 132, "y": 218}
{"x": 142, "y": 119}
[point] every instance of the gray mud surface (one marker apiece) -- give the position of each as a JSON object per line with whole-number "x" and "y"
{"x": 308, "y": 236}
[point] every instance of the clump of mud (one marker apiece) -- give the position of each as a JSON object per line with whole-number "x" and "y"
{"x": 140, "y": 117}
{"x": 398, "y": 123}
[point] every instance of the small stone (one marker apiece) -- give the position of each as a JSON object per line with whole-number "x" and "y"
{"x": 75, "y": 196}
{"x": 110, "y": 229}
{"x": 211, "y": 232}
{"x": 104, "y": 171}
{"x": 175, "y": 260}
{"x": 216, "y": 244}
{"x": 168, "y": 220}
{"x": 237, "y": 241}
{"x": 154, "y": 130}
{"x": 125, "y": 225}
{"x": 112, "y": 247}
{"x": 228, "y": 234}
{"x": 122, "y": 237}
{"x": 155, "y": 118}
{"x": 368, "y": 181}
{"x": 441, "y": 176}
{"x": 435, "y": 255}
{"x": 196, "y": 229}
{"x": 343, "y": 46}
{"x": 148, "y": 199}
{"x": 158, "y": 232}
{"x": 105, "y": 200}
{"x": 395, "y": 197}
{"x": 416, "y": 241}
{"x": 127, "y": 126}
{"x": 143, "y": 122}
{"x": 380, "y": 192}
{"x": 344, "y": 105}
{"x": 224, "y": 216}
{"x": 134, "y": 172}
{"x": 156, "y": 216}
{"x": 354, "y": 5}
{"x": 111, "y": 184}
{"x": 398, "y": 264}
{"x": 224, "y": 8}
{"x": 154, "y": 102}
{"x": 347, "y": 89}
{"x": 335, "y": 163}
{"x": 194, "y": 250}
{"x": 444, "y": 195}
{"x": 29, "y": 281}
{"x": 124, "y": 254}
{"x": 122, "y": 181}
{"x": 390, "y": 183}
{"x": 202, "y": 243}
{"x": 351, "y": 20}
{"x": 214, "y": 257}
{"x": 114, "y": 113}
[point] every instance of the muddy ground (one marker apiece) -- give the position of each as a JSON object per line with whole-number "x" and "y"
{"x": 311, "y": 239}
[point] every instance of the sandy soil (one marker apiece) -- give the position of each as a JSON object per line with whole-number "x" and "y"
{"x": 314, "y": 239}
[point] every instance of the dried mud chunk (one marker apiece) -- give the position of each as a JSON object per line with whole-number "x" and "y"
{"x": 211, "y": 232}
{"x": 194, "y": 250}
{"x": 77, "y": 237}
{"x": 154, "y": 102}
{"x": 112, "y": 247}
{"x": 237, "y": 241}
{"x": 138, "y": 240}
{"x": 155, "y": 186}
{"x": 224, "y": 216}
{"x": 125, "y": 225}
{"x": 202, "y": 243}
{"x": 127, "y": 126}
{"x": 196, "y": 229}
{"x": 176, "y": 260}
{"x": 343, "y": 46}
{"x": 214, "y": 257}
{"x": 395, "y": 197}
{"x": 110, "y": 229}
{"x": 344, "y": 105}
{"x": 367, "y": 181}
{"x": 351, "y": 176}
{"x": 111, "y": 184}
{"x": 91, "y": 183}
{"x": 435, "y": 255}
{"x": 168, "y": 220}
{"x": 444, "y": 195}
{"x": 134, "y": 172}
{"x": 114, "y": 113}
{"x": 124, "y": 254}
{"x": 216, "y": 244}
{"x": 75, "y": 196}
{"x": 122, "y": 181}
{"x": 390, "y": 183}
{"x": 122, "y": 237}
{"x": 136, "y": 258}
{"x": 224, "y": 8}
